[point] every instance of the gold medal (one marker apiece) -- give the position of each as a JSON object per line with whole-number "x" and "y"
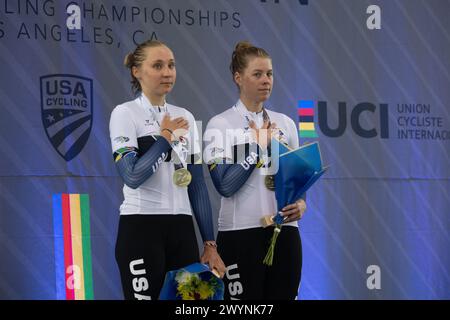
{"x": 269, "y": 181}
{"x": 182, "y": 177}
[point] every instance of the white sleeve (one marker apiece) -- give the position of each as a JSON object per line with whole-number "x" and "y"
{"x": 122, "y": 130}
{"x": 217, "y": 143}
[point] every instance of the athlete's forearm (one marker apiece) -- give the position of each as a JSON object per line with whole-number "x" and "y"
{"x": 136, "y": 170}
{"x": 201, "y": 205}
{"x": 229, "y": 178}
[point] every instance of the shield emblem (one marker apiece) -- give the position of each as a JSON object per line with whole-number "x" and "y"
{"x": 66, "y": 110}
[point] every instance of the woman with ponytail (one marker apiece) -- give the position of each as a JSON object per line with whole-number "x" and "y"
{"x": 156, "y": 150}
{"x": 237, "y": 149}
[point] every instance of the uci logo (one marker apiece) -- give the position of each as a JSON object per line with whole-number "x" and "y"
{"x": 66, "y": 111}
{"x": 365, "y": 108}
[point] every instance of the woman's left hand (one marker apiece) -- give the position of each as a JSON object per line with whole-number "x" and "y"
{"x": 211, "y": 257}
{"x": 294, "y": 211}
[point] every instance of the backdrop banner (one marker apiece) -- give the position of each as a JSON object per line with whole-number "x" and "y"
{"x": 368, "y": 80}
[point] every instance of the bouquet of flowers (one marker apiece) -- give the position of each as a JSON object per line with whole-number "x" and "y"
{"x": 193, "y": 282}
{"x": 297, "y": 171}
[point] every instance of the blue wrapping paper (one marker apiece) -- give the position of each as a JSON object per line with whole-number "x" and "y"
{"x": 297, "y": 171}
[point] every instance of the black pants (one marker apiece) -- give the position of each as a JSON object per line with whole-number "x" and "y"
{"x": 247, "y": 278}
{"x": 148, "y": 246}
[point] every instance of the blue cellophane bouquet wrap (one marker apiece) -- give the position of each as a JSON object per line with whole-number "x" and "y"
{"x": 193, "y": 282}
{"x": 298, "y": 170}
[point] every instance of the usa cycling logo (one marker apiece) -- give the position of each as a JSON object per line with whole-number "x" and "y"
{"x": 66, "y": 110}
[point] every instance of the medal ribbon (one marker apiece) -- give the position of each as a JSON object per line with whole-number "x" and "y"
{"x": 176, "y": 145}
{"x": 266, "y": 117}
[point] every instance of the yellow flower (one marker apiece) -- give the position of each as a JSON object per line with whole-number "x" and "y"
{"x": 192, "y": 287}
{"x": 205, "y": 290}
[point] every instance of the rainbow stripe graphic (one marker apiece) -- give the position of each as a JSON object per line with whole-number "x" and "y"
{"x": 305, "y": 113}
{"x": 73, "y": 259}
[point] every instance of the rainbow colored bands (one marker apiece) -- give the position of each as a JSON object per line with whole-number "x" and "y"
{"x": 305, "y": 113}
{"x": 73, "y": 259}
